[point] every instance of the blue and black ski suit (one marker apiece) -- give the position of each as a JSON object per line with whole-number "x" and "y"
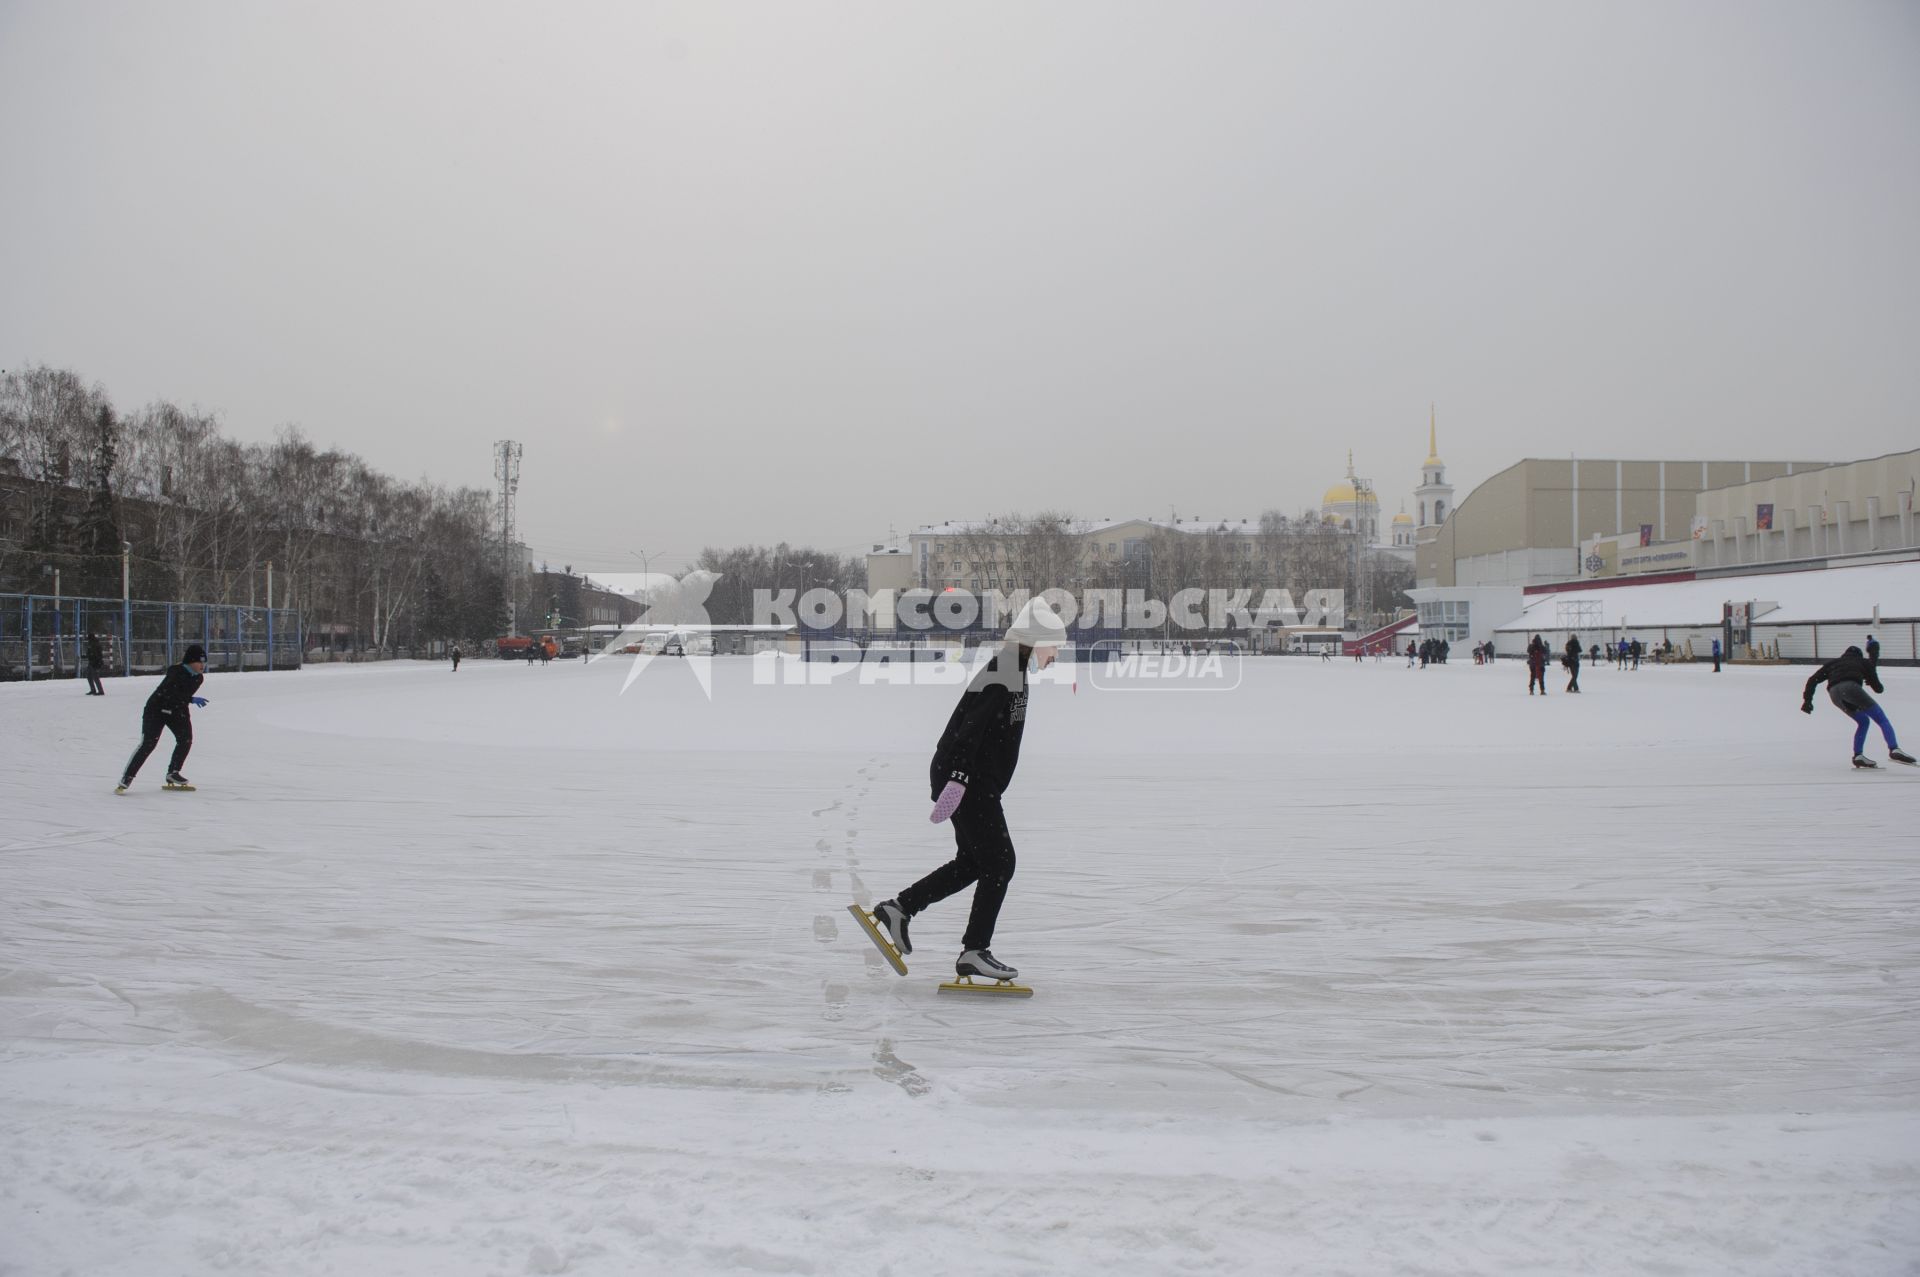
{"x": 1847, "y": 677}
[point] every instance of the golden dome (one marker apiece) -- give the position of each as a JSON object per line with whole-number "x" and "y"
{"x": 1403, "y": 517}
{"x": 1344, "y": 494}
{"x": 1340, "y": 494}
{"x": 1349, "y": 492}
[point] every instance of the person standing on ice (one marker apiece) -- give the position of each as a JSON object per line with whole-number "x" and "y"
{"x": 1847, "y": 677}
{"x": 456, "y": 658}
{"x": 972, "y": 766}
{"x": 1573, "y": 663}
{"x": 1537, "y": 665}
{"x": 166, "y": 710}
{"x": 95, "y": 663}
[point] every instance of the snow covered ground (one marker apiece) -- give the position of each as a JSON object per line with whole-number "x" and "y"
{"x": 1353, "y": 970}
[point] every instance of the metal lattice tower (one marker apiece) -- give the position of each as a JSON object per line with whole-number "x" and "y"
{"x": 506, "y": 468}
{"x": 1579, "y": 614}
{"x": 1362, "y": 607}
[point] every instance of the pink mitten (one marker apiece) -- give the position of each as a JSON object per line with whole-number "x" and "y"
{"x": 949, "y": 799}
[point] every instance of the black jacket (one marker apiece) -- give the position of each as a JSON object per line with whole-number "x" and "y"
{"x": 1849, "y": 667}
{"x": 981, "y": 745}
{"x": 175, "y": 690}
{"x": 94, "y": 658}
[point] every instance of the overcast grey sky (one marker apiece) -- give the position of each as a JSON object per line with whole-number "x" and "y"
{"x": 746, "y": 271}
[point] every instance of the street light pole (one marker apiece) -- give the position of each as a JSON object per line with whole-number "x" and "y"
{"x": 646, "y": 572}
{"x": 126, "y": 609}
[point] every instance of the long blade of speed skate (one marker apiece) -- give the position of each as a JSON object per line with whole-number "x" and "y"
{"x": 996, "y": 988}
{"x": 879, "y": 938}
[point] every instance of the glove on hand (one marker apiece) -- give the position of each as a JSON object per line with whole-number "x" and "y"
{"x": 201, "y": 701}
{"x": 949, "y": 799}
{"x": 1806, "y": 707}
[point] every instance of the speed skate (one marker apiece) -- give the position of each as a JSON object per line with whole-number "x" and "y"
{"x": 995, "y": 976}
{"x": 991, "y": 988}
{"x": 879, "y": 938}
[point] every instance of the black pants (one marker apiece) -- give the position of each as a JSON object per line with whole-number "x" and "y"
{"x": 93, "y": 681}
{"x": 151, "y": 724}
{"x": 1573, "y": 677}
{"x": 985, "y": 858}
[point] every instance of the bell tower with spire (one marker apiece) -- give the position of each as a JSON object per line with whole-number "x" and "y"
{"x": 1434, "y": 495}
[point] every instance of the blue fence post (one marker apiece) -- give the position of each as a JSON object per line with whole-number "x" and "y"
{"x": 29, "y": 638}
{"x": 171, "y": 629}
{"x": 269, "y": 632}
{"x": 126, "y": 638}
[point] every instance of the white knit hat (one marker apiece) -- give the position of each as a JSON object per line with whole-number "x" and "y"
{"x": 1038, "y": 625}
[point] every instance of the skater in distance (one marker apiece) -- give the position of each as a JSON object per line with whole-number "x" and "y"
{"x": 1847, "y": 678}
{"x": 95, "y": 663}
{"x": 167, "y": 710}
{"x": 972, "y": 767}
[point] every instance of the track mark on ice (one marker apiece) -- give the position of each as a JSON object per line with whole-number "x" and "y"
{"x": 891, "y": 1068}
{"x": 1253, "y": 1081}
{"x": 837, "y": 995}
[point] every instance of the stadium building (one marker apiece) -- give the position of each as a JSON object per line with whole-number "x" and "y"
{"x": 1580, "y": 546}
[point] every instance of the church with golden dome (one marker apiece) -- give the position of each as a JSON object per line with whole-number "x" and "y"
{"x": 1353, "y": 505}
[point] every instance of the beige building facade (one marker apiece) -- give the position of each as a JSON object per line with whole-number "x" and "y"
{"x": 1525, "y": 525}
{"x": 890, "y": 567}
{"x": 1857, "y": 507}
{"x": 973, "y": 555}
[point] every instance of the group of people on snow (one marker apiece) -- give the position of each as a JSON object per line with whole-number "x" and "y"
{"x": 1570, "y": 660}
{"x": 974, "y": 761}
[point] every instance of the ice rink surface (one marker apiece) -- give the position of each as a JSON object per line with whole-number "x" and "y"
{"x": 1355, "y": 969}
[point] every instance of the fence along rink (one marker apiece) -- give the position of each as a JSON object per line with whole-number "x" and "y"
{"x": 42, "y": 636}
